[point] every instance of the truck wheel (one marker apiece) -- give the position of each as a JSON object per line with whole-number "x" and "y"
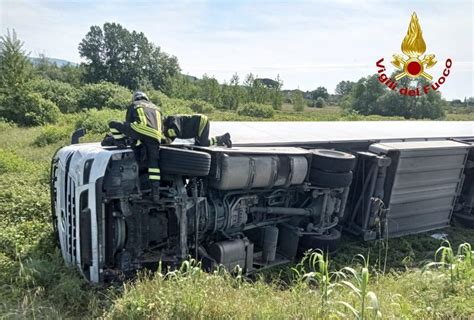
{"x": 466, "y": 220}
{"x": 326, "y": 242}
{"x": 332, "y": 160}
{"x": 330, "y": 179}
{"x": 184, "y": 162}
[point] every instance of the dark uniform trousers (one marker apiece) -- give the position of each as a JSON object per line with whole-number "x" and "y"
{"x": 188, "y": 127}
{"x": 143, "y": 124}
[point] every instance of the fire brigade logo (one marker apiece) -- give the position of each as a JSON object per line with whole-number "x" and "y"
{"x": 414, "y": 46}
{"x": 413, "y": 64}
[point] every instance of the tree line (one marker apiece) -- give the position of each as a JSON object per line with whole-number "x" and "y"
{"x": 118, "y": 61}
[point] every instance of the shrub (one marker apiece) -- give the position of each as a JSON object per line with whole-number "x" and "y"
{"x": 200, "y": 106}
{"x": 170, "y": 106}
{"x": 39, "y": 111}
{"x": 256, "y": 110}
{"x": 104, "y": 95}
{"x": 298, "y": 100}
{"x": 29, "y": 109}
{"x": 319, "y": 102}
{"x": 62, "y": 94}
{"x": 50, "y": 135}
{"x": 96, "y": 121}
{"x": 5, "y": 125}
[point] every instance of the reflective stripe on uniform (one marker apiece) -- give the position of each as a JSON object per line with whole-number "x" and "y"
{"x": 171, "y": 133}
{"x": 154, "y": 177}
{"x": 202, "y": 124}
{"x": 141, "y": 116}
{"x": 147, "y": 131}
{"x": 213, "y": 141}
{"x": 154, "y": 170}
{"x": 113, "y": 130}
{"x": 158, "y": 120}
{"x": 118, "y": 136}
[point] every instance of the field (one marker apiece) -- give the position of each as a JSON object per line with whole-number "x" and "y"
{"x": 395, "y": 281}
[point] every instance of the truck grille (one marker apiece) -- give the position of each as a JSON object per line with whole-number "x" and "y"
{"x": 71, "y": 214}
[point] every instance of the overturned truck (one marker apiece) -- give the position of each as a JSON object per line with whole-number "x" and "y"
{"x": 285, "y": 188}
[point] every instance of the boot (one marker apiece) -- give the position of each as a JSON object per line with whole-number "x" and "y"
{"x": 108, "y": 141}
{"x": 224, "y": 140}
{"x": 155, "y": 191}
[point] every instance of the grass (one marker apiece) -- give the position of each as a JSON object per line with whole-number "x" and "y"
{"x": 416, "y": 283}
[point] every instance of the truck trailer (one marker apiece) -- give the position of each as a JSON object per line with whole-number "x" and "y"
{"x": 284, "y": 188}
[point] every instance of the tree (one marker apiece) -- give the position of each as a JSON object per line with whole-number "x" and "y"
{"x": 117, "y": 55}
{"x": 17, "y": 103}
{"x": 369, "y": 96}
{"x": 256, "y": 90}
{"x": 365, "y": 94}
{"x": 298, "y": 100}
{"x": 181, "y": 86}
{"x": 344, "y": 88}
{"x": 210, "y": 90}
{"x": 232, "y": 94}
{"x": 276, "y": 96}
{"x": 15, "y": 68}
{"x": 319, "y": 92}
{"x": 71, "y": 74}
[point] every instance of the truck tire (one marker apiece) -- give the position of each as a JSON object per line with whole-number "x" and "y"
{"x": 184, "y": 162}
{"x": 332, "y": 160}
{"x": 326, "y": 242}
{"x": 330, "y": 179}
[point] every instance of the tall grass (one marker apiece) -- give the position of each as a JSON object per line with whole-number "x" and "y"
{"x": 458, "y": 266}
{"x": 359, "y": 285}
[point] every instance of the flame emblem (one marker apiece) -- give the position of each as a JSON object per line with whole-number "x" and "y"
{"x": 413, "y": 46}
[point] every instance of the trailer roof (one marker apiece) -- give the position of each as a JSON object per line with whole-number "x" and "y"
{"x": 260, "y": 133}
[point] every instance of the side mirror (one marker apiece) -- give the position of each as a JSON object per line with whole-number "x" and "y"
{"x": 79, "y": 133}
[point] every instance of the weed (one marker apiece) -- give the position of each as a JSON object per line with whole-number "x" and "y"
{"x": 360, "y": 287}
{"x": 458, "y": 266}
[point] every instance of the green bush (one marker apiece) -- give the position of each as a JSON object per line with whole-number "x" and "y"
{"x": 256, "y": 110}
{"x": 50, "y": 135}
{"x": 200, "y": 106}
{"x": 96, "y": 121}
{"x": 5, "y": 125}
{"x": 29, "y": 109}
{"x": 170, "y": 106}
{"x": 104, "y": 95}
{"x": 62, "y": 94}
{"x": 319, "y": 102}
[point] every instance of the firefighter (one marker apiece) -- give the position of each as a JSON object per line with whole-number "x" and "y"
{"x": 143, "y": 125}
{"x": 193, "y": 126}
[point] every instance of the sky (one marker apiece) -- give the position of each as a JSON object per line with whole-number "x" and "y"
{"x": 307, "y": 43}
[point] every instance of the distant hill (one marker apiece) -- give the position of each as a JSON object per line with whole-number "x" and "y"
{"x": 58, "y": 62}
